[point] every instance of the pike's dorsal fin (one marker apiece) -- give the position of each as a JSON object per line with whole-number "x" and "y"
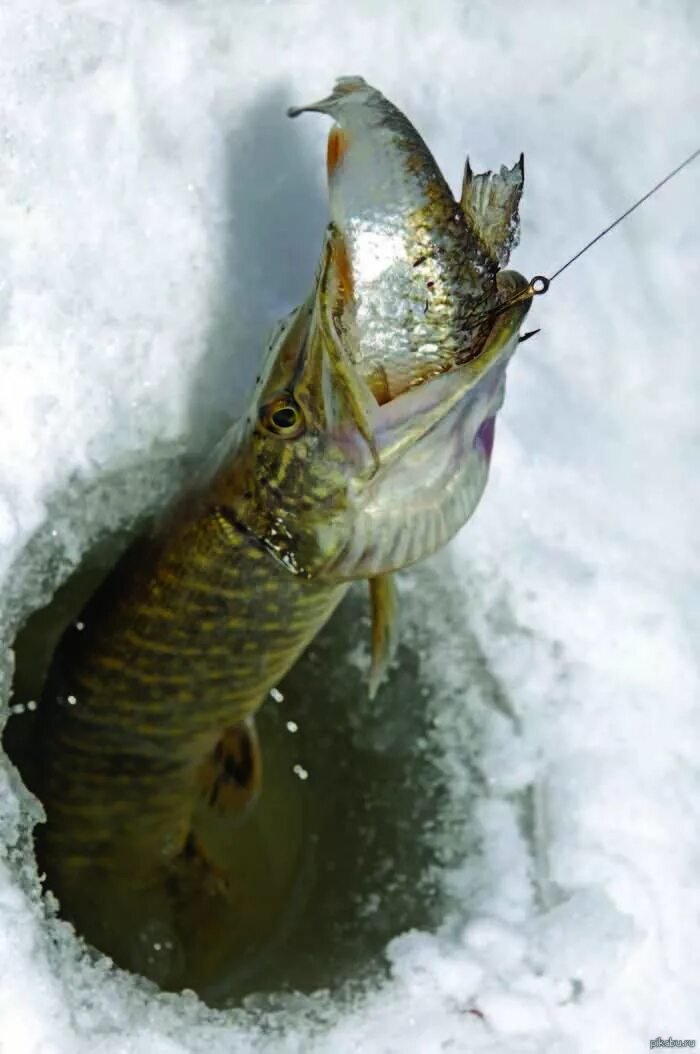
{"x": 382, "y": 595}
{"x": 490, "y": 203}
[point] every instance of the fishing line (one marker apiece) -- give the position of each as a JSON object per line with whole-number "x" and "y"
{"x": 540, "y": 283}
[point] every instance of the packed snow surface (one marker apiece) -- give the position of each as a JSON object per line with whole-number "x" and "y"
{"x": 157, "y": 213}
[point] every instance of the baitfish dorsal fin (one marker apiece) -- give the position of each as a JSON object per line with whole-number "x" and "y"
{"x": 382, "y": 595}
{"x": 490, "y": 203}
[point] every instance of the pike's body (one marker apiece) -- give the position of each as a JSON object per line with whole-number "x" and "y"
{"x": 182, "y": 643}
{"x": 365, "y": 447}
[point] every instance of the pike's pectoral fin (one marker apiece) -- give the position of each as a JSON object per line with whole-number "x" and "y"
{"x": 383, "y": 602}
{"x": 228, "y": 781}
{"x": 490, "y": 202}
{"x": 230, "y": 777}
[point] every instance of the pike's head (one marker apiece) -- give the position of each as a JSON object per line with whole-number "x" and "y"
{"x": 336, "y": 486}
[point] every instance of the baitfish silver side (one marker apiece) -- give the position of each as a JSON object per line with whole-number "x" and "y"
{"x": 416, "y": 271}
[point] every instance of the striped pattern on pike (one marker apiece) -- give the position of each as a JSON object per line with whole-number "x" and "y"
{"x": 183, "y": 640}
{"x": 330, "y": 477}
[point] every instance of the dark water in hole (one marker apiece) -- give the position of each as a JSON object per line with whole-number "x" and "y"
{"x": 338, "y": 855}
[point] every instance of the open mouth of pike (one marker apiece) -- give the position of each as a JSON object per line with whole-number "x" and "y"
{"x": 469, "y": 393}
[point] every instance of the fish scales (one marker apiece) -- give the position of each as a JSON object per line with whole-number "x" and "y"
{"x": 147, "y": 740}
{"x": 331, "y": 476}
{"x": 421, "y": 268}
{"x": 223, "y": 629}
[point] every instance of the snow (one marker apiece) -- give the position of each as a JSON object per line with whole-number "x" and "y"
{"x": 157, "y": 213}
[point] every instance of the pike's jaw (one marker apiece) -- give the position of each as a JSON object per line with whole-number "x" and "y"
{"x": 372, "y": 488}
{"x": 415, "y": 504}
{"x": 434, "y": 447}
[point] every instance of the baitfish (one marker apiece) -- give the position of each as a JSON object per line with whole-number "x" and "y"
{"x": 420, "y": 271}
{"x": 331, "y": 476}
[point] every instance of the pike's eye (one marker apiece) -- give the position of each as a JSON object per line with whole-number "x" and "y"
{"x": 283, "y": 417}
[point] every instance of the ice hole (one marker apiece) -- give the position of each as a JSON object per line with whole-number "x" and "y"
{"x": 360, "y": 818}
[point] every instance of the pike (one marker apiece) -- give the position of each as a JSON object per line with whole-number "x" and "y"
{"x": 364, "y": 448}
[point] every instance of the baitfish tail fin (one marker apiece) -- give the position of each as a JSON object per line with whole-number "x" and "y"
{"x": 490, "y": 203}
{"x": 230, "y": 777}
{"x": 383, "y": 602}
